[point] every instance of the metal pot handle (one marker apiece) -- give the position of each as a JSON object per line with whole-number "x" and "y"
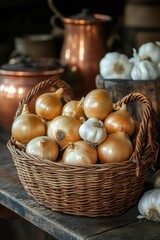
{"x": 56, "y": 19}
{"x": 54, "y": 9}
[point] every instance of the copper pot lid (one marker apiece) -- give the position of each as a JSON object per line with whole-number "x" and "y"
{"x": 29, "y": 67}
{"x": 85, "y": 17}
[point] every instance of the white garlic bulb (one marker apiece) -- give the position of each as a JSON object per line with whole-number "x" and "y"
{"x": 145, "y": 70}
{"x": 93, "y": 131}
{"x": 115, "y": 65}
{"x": 150, "y": 51}
{"x": 149, "y": 205}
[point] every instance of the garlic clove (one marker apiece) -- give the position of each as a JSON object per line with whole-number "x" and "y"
{"x": 135, "y": 57}
{"x": 145, "y": 70}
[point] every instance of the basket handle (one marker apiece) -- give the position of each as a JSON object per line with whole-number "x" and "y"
{"x": 51, "y": 82}
{"x": 147, "y": 127}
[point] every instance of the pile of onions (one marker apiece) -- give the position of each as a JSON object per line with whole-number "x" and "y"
{"x": 105, "y": 135}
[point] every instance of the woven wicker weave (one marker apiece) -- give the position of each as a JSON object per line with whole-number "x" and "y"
{"x": 91, "y": 190}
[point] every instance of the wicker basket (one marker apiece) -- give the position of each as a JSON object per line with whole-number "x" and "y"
{"x": 92, "y": 190}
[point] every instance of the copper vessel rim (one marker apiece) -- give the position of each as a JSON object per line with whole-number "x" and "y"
{"x": 22, "y": 73}
{"x": 99, "y": 19}
{"x": 35, "y": 37}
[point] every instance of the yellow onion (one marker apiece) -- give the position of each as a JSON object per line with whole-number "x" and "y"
{"x": 97, "y": 104}
{"x": 79, "y": 153}
{"x": 43, "y": 147}
{"x": 74, "y": 108}
{"x": 119, "y": 120}
{"x": 116, "y": 148}
{"x": 27, "y": 126}
{"x": 64, "y": 129}
{"x": 49, "y": 105}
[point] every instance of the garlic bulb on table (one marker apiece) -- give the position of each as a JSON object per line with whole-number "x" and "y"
{"x": 115, "y": 65}
{"x": 149, "y": 205}
{"x": 93, "y": 131}
{"x": 145, "y": 70}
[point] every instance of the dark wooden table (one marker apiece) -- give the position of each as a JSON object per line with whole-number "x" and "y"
{"x": 63, "y": 226}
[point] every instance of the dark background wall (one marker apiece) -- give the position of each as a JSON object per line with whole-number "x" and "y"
{"x": 20, "y": 17}
{"x": 23, "y": 17}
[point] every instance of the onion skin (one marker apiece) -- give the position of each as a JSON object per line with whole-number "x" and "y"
{"x": 74, "y": 109}
{"x": 64, "y": 129}
{"x": 43, "y": 147}
{"x": 115, "y": 149}
{"x": 120, "y": 120}
{"x": 27, "y": 126}
{"x": 97, "y": 104}
{"x": 79, "y": 153}
{"x": 49, "y": 105}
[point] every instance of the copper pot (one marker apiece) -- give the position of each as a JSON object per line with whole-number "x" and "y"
{"x": 15, "y": 81}
{"x": 85, "y": 43}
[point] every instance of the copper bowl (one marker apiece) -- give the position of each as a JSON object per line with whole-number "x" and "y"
{"x": 17, "y": 79}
